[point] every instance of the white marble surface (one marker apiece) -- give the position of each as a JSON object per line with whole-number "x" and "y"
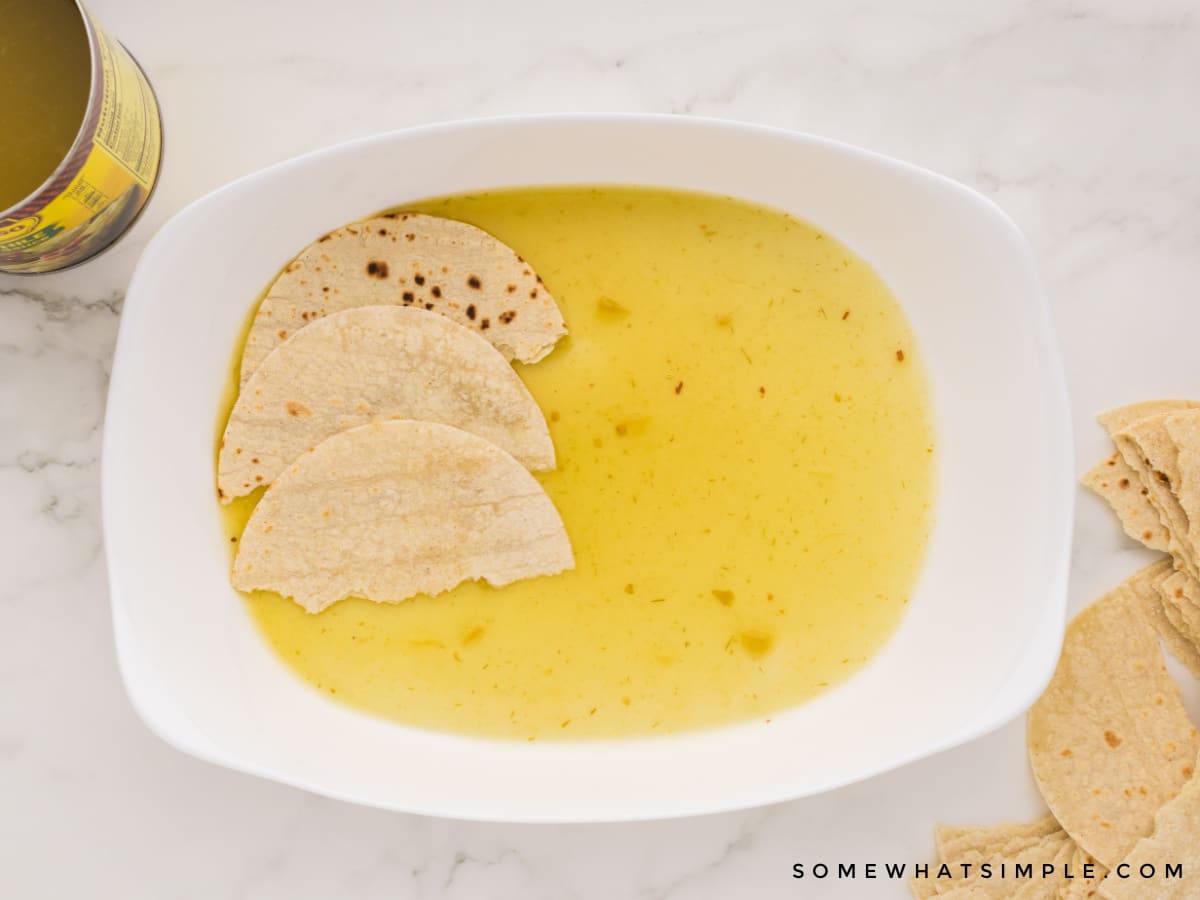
{"x": 1077, "y": 116}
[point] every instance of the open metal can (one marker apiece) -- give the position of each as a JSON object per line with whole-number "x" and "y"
{"x": 98, "y": 189}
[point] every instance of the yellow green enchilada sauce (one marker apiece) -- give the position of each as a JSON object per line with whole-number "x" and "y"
{"x": 45, "y": 75}
{"x": 745, "y": 456}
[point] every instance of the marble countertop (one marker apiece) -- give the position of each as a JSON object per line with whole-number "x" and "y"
{"x": 1076, "y": 116}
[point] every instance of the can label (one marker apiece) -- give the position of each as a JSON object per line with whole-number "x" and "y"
{"x": 106, "y": 179}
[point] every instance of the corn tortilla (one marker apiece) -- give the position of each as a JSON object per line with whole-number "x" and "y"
{"x": 1184, "y": 431}
{"x": 1175, "y": 840}
{"x": 1122, "y": 417}
{"x": 1159, "y": 610}
{"x": 369, "y": 363}
{"x": 1148, "y": 450}
{"x": 1109, "y": 740}
{"x": 408, "y": 259}
{"x": 955, "y": 843}
{"x": 974, "y": 845}
{"x": 1079, "y": 887}
{"x": 1053, "y": 849}
{"x": 393, "y": 509}
{"x": 1180, "y": 593}
{"x": 1121, "y": 487}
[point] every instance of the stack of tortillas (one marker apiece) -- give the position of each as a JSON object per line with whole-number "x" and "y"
{"x": 1152, "y": 481}
{"x": 1110, "y": 743}
{"x": 379, "y": 407}
{"x": 972, "y": 859}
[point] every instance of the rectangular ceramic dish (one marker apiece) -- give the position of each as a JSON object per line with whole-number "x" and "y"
{"x": 984, "y": 627}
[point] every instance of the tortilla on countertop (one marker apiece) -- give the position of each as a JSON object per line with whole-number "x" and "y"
{"x": 1147, "y": 449}
{"x": 393, "y": 509}
{"x": 1183, "y": 428}
{"x": 1121, "y": 417}
{"x": 375, "y": 362}
{"x": 1109, "y": 739}
{"x": 1175, "y": 840}
{"x": 1054, "y": 849}
{"x": 1121, "y": 487}
{"x": 1079, "y": 887}
{"x": 409, "y": 259}
{"x": 954, "y": 843}
{"x": 1139, "y": 431}
{"x": 974, "y": 845}
{"x": 1181, "y": 595}
{"x": 1164, "y": 617}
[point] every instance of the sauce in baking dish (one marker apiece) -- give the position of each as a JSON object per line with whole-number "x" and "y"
{"x": 745, "y": 451}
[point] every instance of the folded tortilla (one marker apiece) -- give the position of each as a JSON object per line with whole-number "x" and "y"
{"x": 408, "y": 259}
{"x": 393, "y": 509}
{"x": 1175, "y": 841}
{"x": 1121, "y": 486}
{"x": 1110, "y": 740}
{"x": 375, "y": 362}
{"x": 1139, "y": 431}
